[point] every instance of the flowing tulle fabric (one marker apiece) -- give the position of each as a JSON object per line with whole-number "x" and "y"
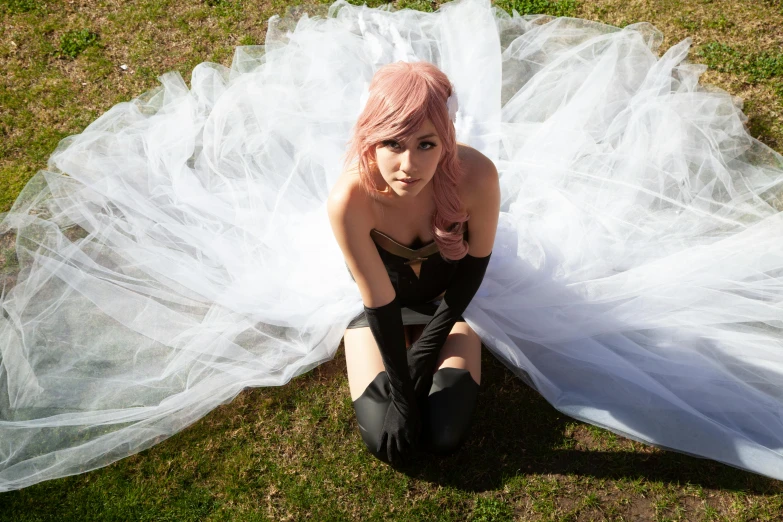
{"x": 178, "y": 250}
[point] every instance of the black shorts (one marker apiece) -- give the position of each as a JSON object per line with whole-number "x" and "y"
{"x": 411, "y": 314}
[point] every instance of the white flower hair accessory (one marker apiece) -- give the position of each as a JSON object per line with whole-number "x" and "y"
{"x": 453, "y": 105}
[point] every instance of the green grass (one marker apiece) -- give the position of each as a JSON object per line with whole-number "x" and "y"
{"x": 73, "y": 42}
{"x": 549, "y": 7}
{"x": 20, "y": 6}
{"x": 418, "y": 5}
{"x": 294, "y": 452}
{"x": 752, "y": 66}
{"x": 490, "y": 510}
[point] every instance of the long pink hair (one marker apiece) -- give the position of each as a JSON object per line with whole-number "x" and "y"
{"x": 403, "y": 95}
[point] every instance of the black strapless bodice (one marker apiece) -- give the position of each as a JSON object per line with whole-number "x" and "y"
{"x": 434, "y": 275}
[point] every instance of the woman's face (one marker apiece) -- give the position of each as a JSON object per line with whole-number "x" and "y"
{"x": 414, "y": 157}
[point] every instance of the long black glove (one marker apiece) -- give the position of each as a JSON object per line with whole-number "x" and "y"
{"x": 401, "y": 427}
{"x": 424, "y": 352}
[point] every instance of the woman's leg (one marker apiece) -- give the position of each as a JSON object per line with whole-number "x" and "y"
{"x": 363, "y": 358}
{"x": 455, "y": 386}
{"x": 452, "y": 396}
{"x": 462, "y": 350}
{"x": 369, "y": 385}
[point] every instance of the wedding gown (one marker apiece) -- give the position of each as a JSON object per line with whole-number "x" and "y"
{"x": 178, "y": 250}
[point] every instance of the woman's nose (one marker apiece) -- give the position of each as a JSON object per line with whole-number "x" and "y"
{"x": 406, "y": 161}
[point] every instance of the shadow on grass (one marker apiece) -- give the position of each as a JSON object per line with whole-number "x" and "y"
{"x": 516, "y": 432}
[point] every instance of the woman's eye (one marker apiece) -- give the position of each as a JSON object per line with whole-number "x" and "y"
{"x": 391, "y": 143}
{"x": 428, "y": 144}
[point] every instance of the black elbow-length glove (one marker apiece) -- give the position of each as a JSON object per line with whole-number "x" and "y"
{"x": 402, "y": 424}
{"x": 424, "y": 352}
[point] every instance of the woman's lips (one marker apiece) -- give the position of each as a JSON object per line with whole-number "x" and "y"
{"x": 411, "y": 182}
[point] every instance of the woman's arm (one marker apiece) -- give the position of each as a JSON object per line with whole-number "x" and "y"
{"x": 351, "y": 222}
{"x": 482, "y": 201}
{"x": 483, "y": 206}
{"x": 351, "y": 219}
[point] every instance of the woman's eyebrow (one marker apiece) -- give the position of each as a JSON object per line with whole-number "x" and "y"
{"x": 426, "y": 136}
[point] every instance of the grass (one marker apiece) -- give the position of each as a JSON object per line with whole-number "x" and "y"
{"x": 73, "y": 42}
{"x": 294, "y": 452}
{"x": 753, "y": 67}
{"x": 550, "y": 7}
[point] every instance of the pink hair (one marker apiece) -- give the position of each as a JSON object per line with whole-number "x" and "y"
{"x": 403, "y": 95}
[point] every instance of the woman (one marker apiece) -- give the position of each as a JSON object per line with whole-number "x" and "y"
{"x": 411, "y": 183}
{"x": 182, "y": 248}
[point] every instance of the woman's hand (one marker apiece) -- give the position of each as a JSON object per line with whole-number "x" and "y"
{"x": 421, "y": 366}
{"x": 401, "y": 428}
{"x": 400, "y": 432}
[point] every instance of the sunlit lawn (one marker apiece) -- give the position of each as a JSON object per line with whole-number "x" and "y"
{"x": 294, "y": 452}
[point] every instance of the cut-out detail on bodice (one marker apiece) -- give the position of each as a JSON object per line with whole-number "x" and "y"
{"x": 415, "y": 257}
{"x": 418, "y": 275}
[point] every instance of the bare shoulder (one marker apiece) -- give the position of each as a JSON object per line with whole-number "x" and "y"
{"x": 480, "y": 193}
{"x": 351, "y": 218}
{"x": 480, "y": 176}
{"x": 348, "y": 199}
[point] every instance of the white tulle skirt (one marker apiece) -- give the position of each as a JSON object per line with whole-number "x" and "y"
{"x": 178, "y": 250}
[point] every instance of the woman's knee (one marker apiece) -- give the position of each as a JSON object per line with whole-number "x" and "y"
{"x": 462, "y": 349}
{"x": 451, "y": 403}
{"x": 450, "y": 406}
{"x": 362, "y": 359}
{"x": 370, "y": 408}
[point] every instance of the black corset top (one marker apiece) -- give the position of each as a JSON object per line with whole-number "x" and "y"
{"x": 418, "y": 275}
